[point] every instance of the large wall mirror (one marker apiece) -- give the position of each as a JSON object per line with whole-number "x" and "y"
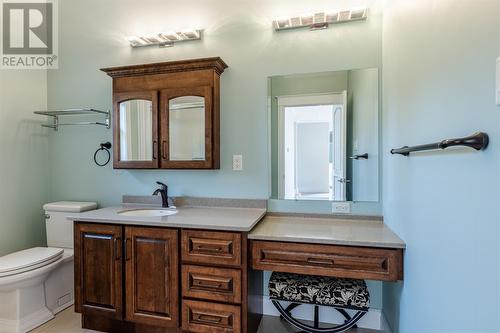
{"x": 325, "y": 135}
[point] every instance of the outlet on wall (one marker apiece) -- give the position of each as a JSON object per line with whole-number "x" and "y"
{"x": 341, "y": 207}
{"x": 237, "y": 162}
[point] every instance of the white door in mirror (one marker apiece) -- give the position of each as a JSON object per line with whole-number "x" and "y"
{"x": 498, "y": 82}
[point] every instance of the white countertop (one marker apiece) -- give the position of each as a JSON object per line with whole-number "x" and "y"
{"x": 325, "y": 230}
{"x": 213, "y": 218}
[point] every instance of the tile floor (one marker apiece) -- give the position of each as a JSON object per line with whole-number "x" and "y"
{"x": 68, "y": 321}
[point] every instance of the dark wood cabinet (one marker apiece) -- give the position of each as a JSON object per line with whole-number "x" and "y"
{"x": 214, "y": 247}
{"x": 204, "y": 317}
{"x": 207, "y": 136}
{"x": 166, "y": 115}
{"x": 383, "y": 264}
{"x": 98, "y": 270}
{"x": 211, "y": 283}
{"x": 151, "y": 283}
{"x": 135, "y": 279}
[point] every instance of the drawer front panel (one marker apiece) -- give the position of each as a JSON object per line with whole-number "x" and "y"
{"x": 216, "y": 284}
{"x": 210, "y": 247}
{"x": 329, "y": 260}
{"x": 210, "y": 317}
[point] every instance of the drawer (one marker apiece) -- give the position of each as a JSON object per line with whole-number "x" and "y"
{"x": 328, "y": 260}
{"x": 211, "y": 247}
{"x": 210, "y": 317}
{"x": 210, "y": 283}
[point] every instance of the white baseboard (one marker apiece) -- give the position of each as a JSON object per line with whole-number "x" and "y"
{"x": 27, "y": 323}
{"x": 372, "y": 320}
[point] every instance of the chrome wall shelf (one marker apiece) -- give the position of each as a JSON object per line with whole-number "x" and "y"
{"x": 74, "y": 112}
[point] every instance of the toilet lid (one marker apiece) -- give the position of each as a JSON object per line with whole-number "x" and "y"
{"x": 26, "y": 260}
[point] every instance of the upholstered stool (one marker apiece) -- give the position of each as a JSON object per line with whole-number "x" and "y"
{"x": 341, "y": 294}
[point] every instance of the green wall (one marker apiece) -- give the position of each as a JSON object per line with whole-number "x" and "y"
{"x": 439, "y": 82}
{"x": 24, "y": 166}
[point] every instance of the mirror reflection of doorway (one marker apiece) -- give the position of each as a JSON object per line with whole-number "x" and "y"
{"x": 312, "y": 146}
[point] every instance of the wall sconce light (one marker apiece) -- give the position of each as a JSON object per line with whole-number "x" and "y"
{"x": 165, "y": 39}
{"x": 320, "y": 20}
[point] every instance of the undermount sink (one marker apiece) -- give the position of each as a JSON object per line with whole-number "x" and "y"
{"x": 148, "y": 212}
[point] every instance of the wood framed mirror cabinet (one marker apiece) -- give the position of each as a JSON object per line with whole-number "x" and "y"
{"x": 167, "y": 115}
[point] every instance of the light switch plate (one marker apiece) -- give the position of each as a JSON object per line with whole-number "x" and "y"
{"x": 341, "y": 207}
{"x": 237, "y": 162}
{"x": 498, "y": 82}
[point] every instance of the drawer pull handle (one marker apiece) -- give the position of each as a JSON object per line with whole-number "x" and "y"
{"x": 327, "y": 262}
{"x": 209, "y": 249}
{"x": 206, "y": 284}
{"x": 209, "y": 319}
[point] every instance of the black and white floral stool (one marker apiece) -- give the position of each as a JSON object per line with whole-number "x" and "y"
{"x": 341, "y": 294}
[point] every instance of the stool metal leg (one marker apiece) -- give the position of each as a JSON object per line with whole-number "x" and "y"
{"x": 346, "y": 315}
{"x": 316, "y": 316}
{"x": 289, "y": 309}
{"x": 337, "y": 329}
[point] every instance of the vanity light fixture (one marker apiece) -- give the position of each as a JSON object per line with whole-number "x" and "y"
{"x": 320, "y": 20}
{"x": 165, "y": 39}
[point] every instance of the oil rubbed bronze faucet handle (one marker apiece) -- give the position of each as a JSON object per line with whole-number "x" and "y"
{"x": 161, "y": 184}
{"x": 164, "y": 194}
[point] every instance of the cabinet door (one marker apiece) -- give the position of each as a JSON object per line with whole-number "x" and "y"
{"x": 187, "y": 125}
{"x": 152, "y": 274}
{"x": 135, "y": 130}
{"x": 98, "y": 270}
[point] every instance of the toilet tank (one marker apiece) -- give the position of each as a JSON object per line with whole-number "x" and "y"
{"x": 59, "y": 229}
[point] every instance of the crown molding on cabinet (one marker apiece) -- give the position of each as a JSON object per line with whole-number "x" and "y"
{"x": 215, "y": 63}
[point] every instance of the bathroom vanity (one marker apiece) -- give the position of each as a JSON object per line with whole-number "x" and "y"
{"x": 200, "y": 270}
{"x": 184, "y": 272}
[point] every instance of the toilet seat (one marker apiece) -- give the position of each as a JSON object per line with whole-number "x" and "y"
{"x": 27, "y": 260}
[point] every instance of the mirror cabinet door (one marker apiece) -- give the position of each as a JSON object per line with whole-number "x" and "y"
{"x": 137, "y": 131}
{"x": 186, "y": 128}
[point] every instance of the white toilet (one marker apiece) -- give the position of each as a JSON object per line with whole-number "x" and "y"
{"x": 37, "y": 283}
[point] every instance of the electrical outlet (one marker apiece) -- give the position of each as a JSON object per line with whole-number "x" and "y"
{"x": 341, "y": 207}
{"x": 237, "y": 162}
